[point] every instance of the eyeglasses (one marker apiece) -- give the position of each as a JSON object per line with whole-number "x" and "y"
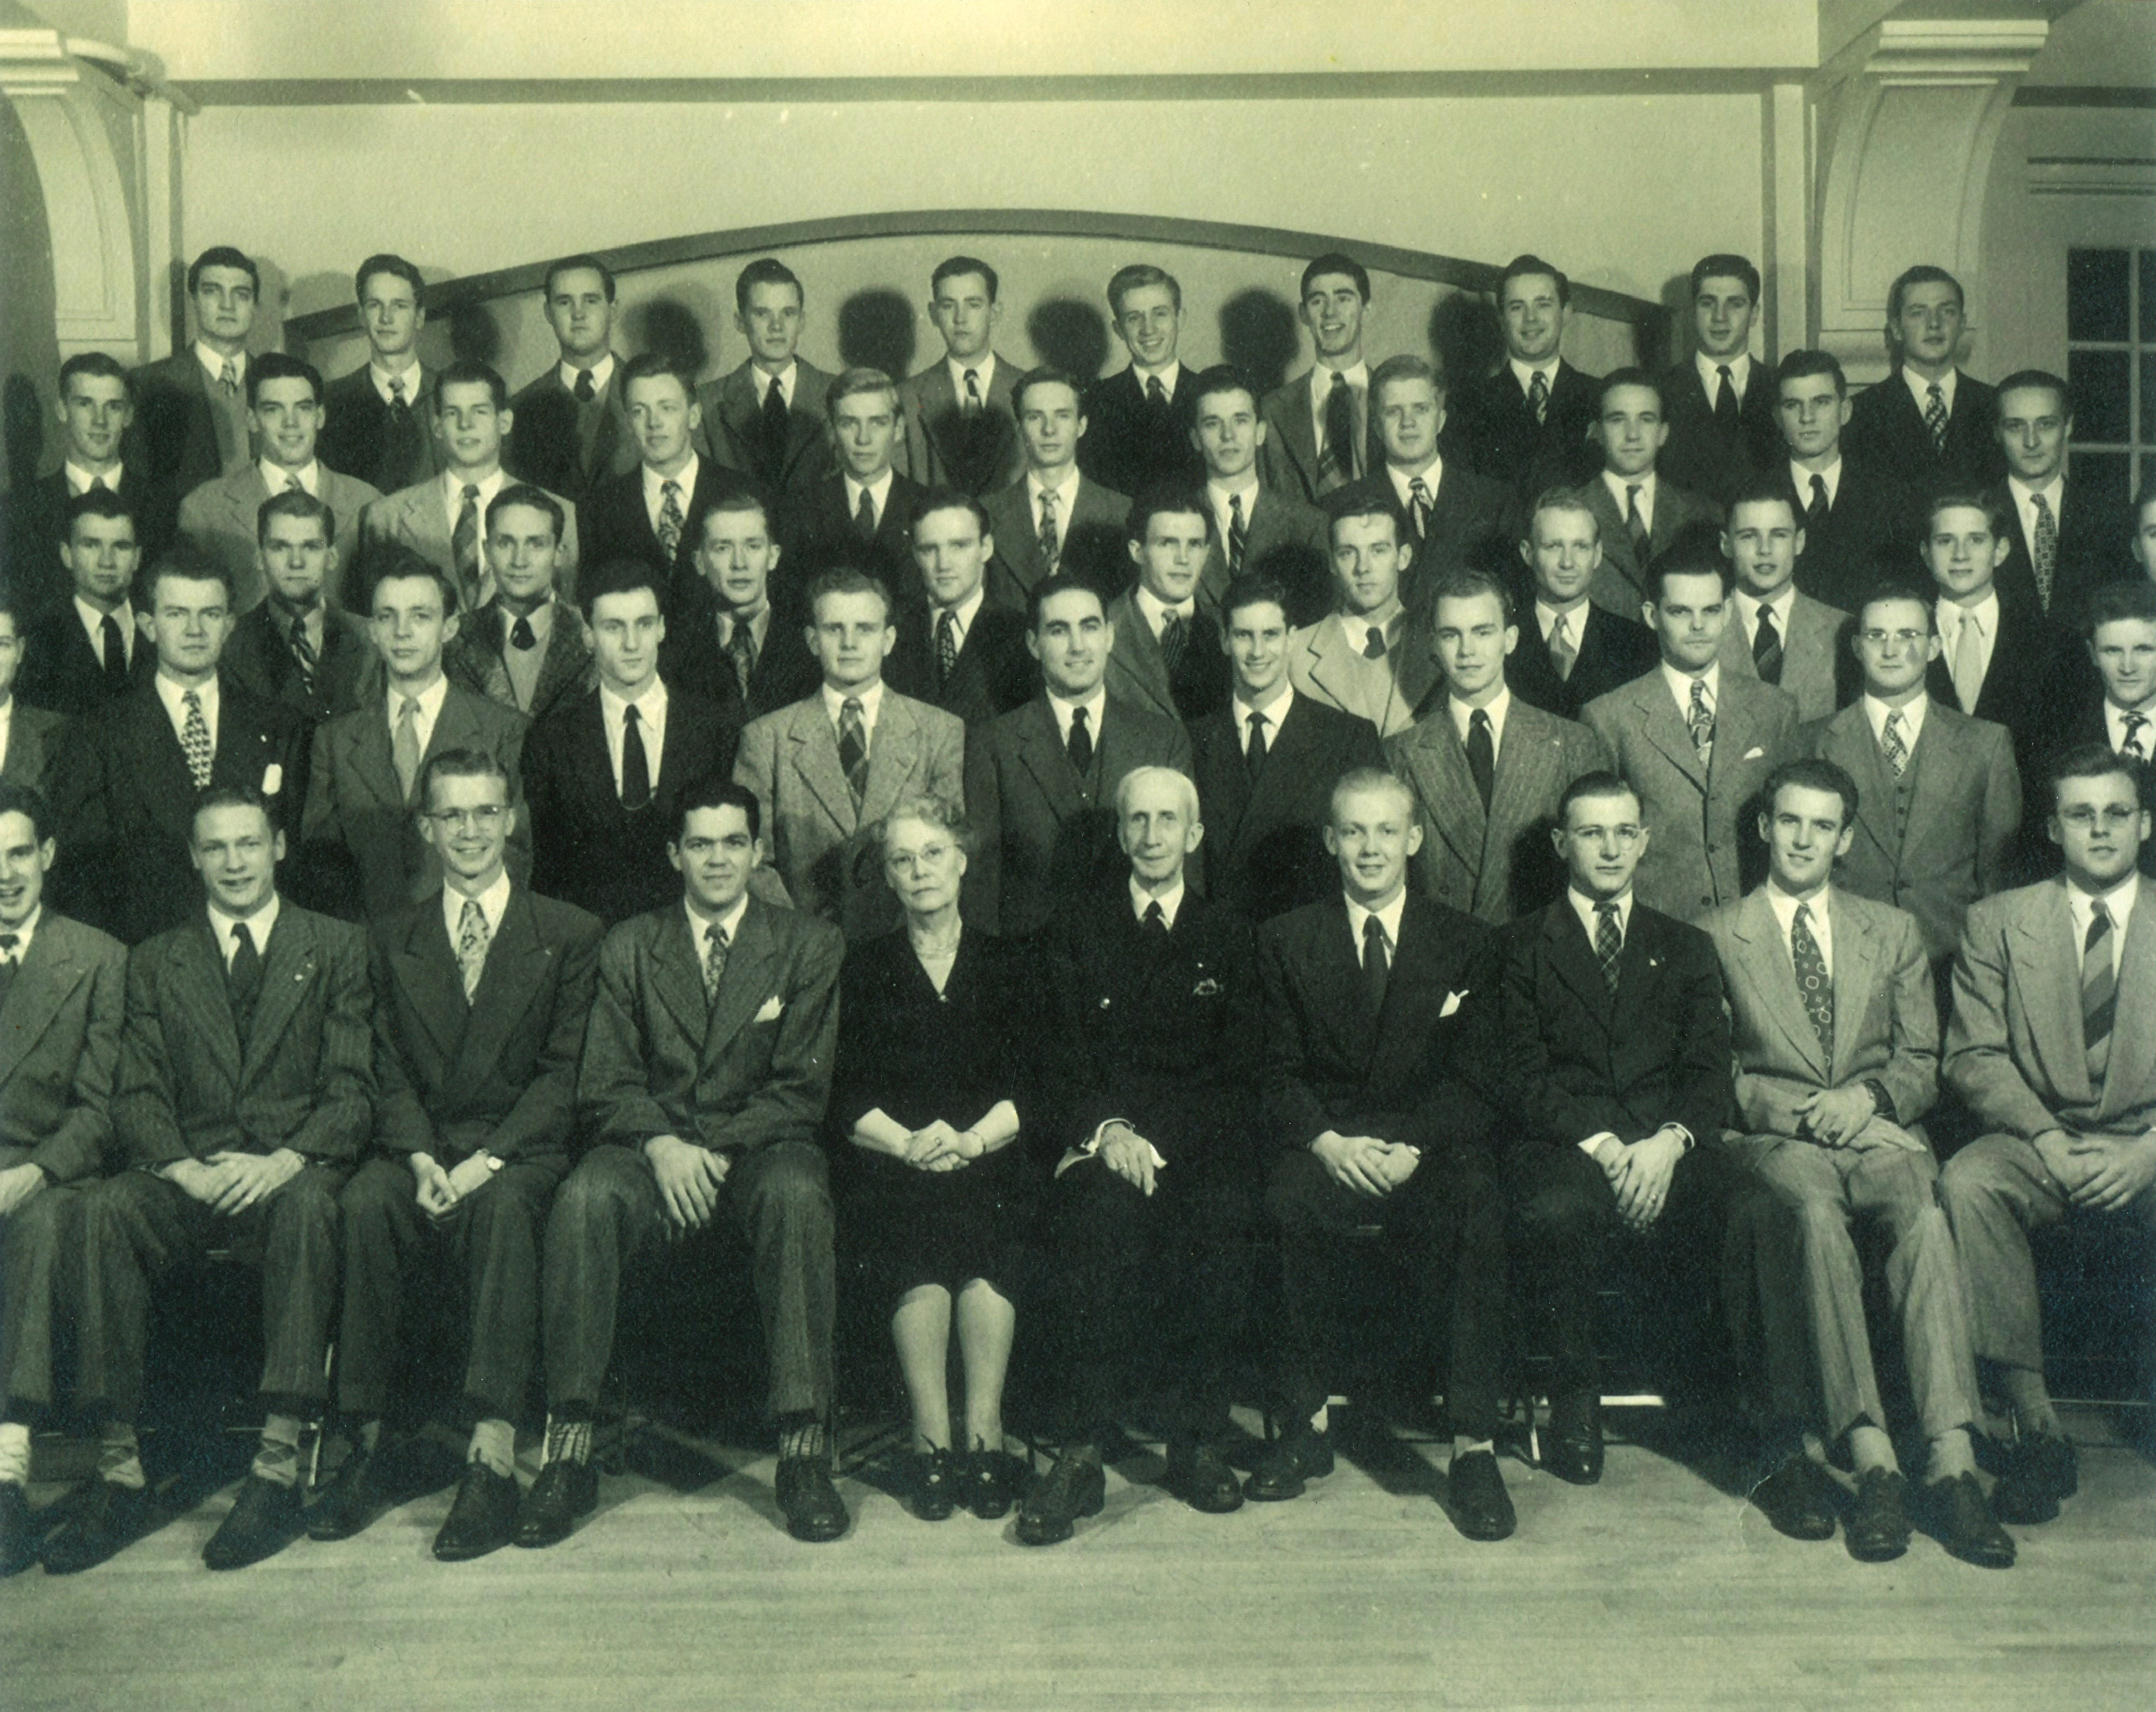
{"x": 486, "y": 818}
{"x": 1900, "y": 639}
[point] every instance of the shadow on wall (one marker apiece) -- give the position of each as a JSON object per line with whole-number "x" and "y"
{"x": 876, "y": 330}
{"x": 1070, "y": 336}
{"x": 30, "y": 345}
{"x": 23, "y": 424}
{"x": 1467, "y": 338}
{"x": 1258, "y": 336}
{"x": 673, "y": 328}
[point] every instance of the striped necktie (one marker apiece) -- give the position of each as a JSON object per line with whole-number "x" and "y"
{"x": 2099, "y": 992}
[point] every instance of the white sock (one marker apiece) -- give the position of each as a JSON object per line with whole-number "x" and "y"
{"x": 1465, "y": 1446}
{"x": 14, "y": 1454}
{"x": 118, "y": 1459}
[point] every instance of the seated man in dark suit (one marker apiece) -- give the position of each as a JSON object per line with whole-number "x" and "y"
{"x": 571, "y": 428}
{"x": 1778, "y": 634}
{"x": 765, "y": 418}
{"x": 1320, "y": 435}
{"x": 1149, "y": 1219}
{"x": 1528, "y": 424}
{"x": 29, "y": 736}
{"x": 296, "y": 647}
{"x": 481, "y": 993}
{"x": 1720, "y": 404}
{"x": 865, "y": 504}
{"x": 1639, "y": 513}
{"x": 965, "y": 652}
{"x": 1579, "y": 650}
{"x": 94, "y": 648}
{"x": 1257, "y": 528}
{"x": 190, "y": 407}
{"x": 2066, "y": 536}
{"x": 1928, "y": 425}
{"x": 1054, "y": 519}
{"x": 1167, "y": 658}
{"x": 961, "y": 429}
{"x": 377, "y": 422}
{"x": 735, "y": 647}
{"x": 1141, "y": 416}
{"x": 705, "y": 1071}
{"x": 244, "y": 1096}
{"x": 63, "y": 994}
{"x": 525, "y": 648}
{"x": 1859, "y": 521}
{"x": 1377, "y": 1005}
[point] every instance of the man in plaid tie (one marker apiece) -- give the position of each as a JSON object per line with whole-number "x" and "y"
{"x": 661, "y": 397}
{"x": 2122, "y": 640}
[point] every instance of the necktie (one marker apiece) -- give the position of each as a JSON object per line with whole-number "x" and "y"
{"x": 1816, "y": 508}
{"x": 584, "y": 390}
{"x": 1609, "y": 940}
{"x": 864, "y": 516}
{"x": 1156, "y": 395}
{"x": 1174, "y": 633}
{"x": 2099, "y": 993}
{"x": 303, "y": 651}
{"x": 1419, "y": 506}
{"x": 471, "y": 946}
{"x": 775, "y": 431}
{"x": 1051, "y": 542}
{"x": 228, "y": 379}
{"x": 1539, "y": 397}
{"x": 741, "y": 649}
{"x": 464, "y": 545}
{"x": 1080, "y": 747}
{"x": 293, "y": 484}
{"x": 1893, "y": 746}
{"x": 1337, "y": 459}
{"x": 854, "y": 749}
{"x": 1563, "y": 655}
{"x": 1812, "y": 986}
{"x": 404, "y": 745}
{"x": 635, "y": 764}
{"x": 972, "y": 403}
{"x": 242, "y": 978}
{"x": 521, "y": 637}
{"x": 2044, "y": 548}
{"x": 2131, "y": 742}
{"x": 670, "y": 519}
{"x": 115, "y": 653}
{"x": 1702, "y": 722}
{"x": 1377, "y": 966}
{"x": 10, "y": 963}
{"x": 1968, "y": 664}
{"x": 715, "y": 960}
{"x": 399, "y": 403}
{"x": 1635, "y": 526}
{"x": 1725, "y": 396}
{"x": 1766, "y": 648}
{"x": 1481, "y": 754}
{"x": 195, "y": 740}
{"x": 1373, "y": 643}
{"x": 1254, "y": 751}
{"x": 1155, "y": 923}
{"x": 947, "y": 646}
{"x": 1935, "y": 417}
{"x": 1238, "y": 534}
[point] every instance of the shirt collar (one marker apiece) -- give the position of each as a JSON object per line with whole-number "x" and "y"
{"x": 454, "y": 482}
{"x": 1321, "y": 381}
{"x": 1275, "y": 712}
{"x": 541, "y": 619}
{"x": 1912, "y": 717}
{"x": 1784, "y": 907}
{"x": 1170, "y": 901}
{"x": 275, "y": 475}
{"x": 175, "y": 698}
{"x": 2117, "y": 902}
{"x": 28, "y": 931}
{"x": 761, "y": 382}
{"x": 1546, "y": 618}
{"x": 80, "y": 480}
{"x": 1463, "y": 715}
{"x": 1389, "y": 916}
{"x": 879, "y": 490}
{"x": 1748, "y": 605}
{"x": 685, "y": 478}
{"x": 1619, "y": 486}
{"x": 2053, "y": 490}
{"x": 93, "y": 621}
{"x": 1947, "y": 613}
{"x": 1584, "y": 908}
{"x": 962, "y": 615}
{"x": 870, "y": 698}
{"x": 430, "y": 700}
{"x": 1525, "y": 372}
{"x": 491, "y": 903}
{"x": 1800, "y": 478}
{"x": 1739, "y": 367}
{"x": 1169, "y": 373}
{"x": 213, "y": 365}
{"x": 1404, "y": 480}
{"x": 1154, "y": 610}
{"x": 260, "y": 926}
{"x": 1920, "y": 389}
{"x": 729, "y": 923}
{"x": 602, "y": 372}
{"x": 1357, "y": 628}
{"x": 414, "y": 378}
{"x": 1063, "y": 488}
{"x": 650, "y": 702}
{"x": 1095, "y": 704}
{"x": 984, "y": 374}
{"x": 1681, "y": 684}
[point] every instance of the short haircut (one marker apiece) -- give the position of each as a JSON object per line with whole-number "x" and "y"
{"x": 1049, "y": 588}
{"x": 101, "y": 364}
{"x": 1923, "y": 274}
{"x": 718, "y": 790}
{"x": 393, "y": 560}
{"x": 620, "y": 576}
{"x": 855, "y": 382}
{"x": 950, "y": 499}
{"x": 1891, "y": 589}
{"x": 99, "y": 502}
{"x": 524, "y": 493}
{"x": 846, "y": 579}
{"x": 1333, "y": 261}
{"x": 189, "y": 564}
{"x": 30, "y": 803}
{"x": 765, "y": 270}
{"x": 1601, "y": 782}
{"x": 2034, "y": 378}
{"x": 1629, "y": 377}
{"x": 228, "y": 796}
{"x": 2093, "y": 760}
{"x": 2144, "y": 496}
{"x": 571, "y": 264}
{"x": 276, "y": 366}
{"x": 1812, "y": 773}
{"x": 294, "y": 503}
{"x": 469, "y": 372}
{"x": 1359, "y": 779}
{"x": 1993, "y": 506}
{"x": 737, "y": 499}
{"x": 1371, "y": 506}
{"x": 930, "y": 809}
{"x": 222, "y": 255}
{"x": 1696, "y": 551}
{"x": 1046, "y": 374}
{"x": 1146, "y": 775}
{"x": 1167, "y": 498}
{"x": 1255, "y": 588}
{"x": 2120, "y": 602}
{"x": 1767, "y": 490}
{"x": 1560, "y": 499}
{"x": 1803, "y": 365}
{"x": 388, "y": 263}
{"x": 1725, "y": 265}
{"x": 956, "y": 266}
{"x": 653, "y": 365}
{"x": 1135, "y": 277}
{"x": 1406, "y": 367}
{"x": 1522, "y": 266}
{"x": 1466, "y": 583}
{"x": 1221, "y": 377}
{"x": 461, "y": 764}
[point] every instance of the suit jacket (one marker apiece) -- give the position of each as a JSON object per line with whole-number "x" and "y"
{"x": 33, "y": 739}
{"x": 60, "y": 669}
{"x": 1610, "y": 652}
{"x": 1041, "y": 832}
{"x": 1131, "y": 447}
{"x": 1471, "y": 524}
{"x": 1817, "y": 666}
{"x": 943, "y": 448}
{"x": 821, "y": 531}
{"x": 1288, "y": 461}
{"x": 1093, "y": 542}
{"x": 1703, "y": 837}
{"x": 1575, "y": 1060}
{"x": 1703, "y": 455}
{"x": 1391, "y": 692}
{"x": 1886, "y": 431}
{"x": 751, "y": 1068}
{"x": 1138, "y": 672}
{"x": 1265, "y": 843}
{"x": 2014, "y": 1049}
{"x": 1501, "y": 439}
{"x": 1964, "y": 810}
{"x": 59, "y": 1046}
{"x": 1497, "y": 863}
{"x": 34, "y": 521}
{"x": 1286, "y": 539}
{"x": 617, "y": 526}
{"x": 218, "y": 518}
{"x": 2036, "y": 675}
{"x": 417, "y": 517}
{"x": 819, "y": 837}
{"x": 497, "y": 1070}
{"x": 1885, "y": 1020}
{"x": 733, "y": 428}
{"x": 1620, "y": 581}
{"x": 587, "y": 849}
{"x": 303, "y": 1078}
{"x": 476, "y": 659}
{"x": 994, "y": 672}
{"x": 361, "y": 435}
{"x": 359, "y": 834}
{"x": 1405, "y": 1074}
{"x": 690, "y": 659}
{"x": 124, "y": 802}
{"x": 564, "y": 447}
{"x": 1869, "y": 532}
{"x": 175, "y": 432}
{"x": 2091, "y": 551}
{"x": 259, "y": 657}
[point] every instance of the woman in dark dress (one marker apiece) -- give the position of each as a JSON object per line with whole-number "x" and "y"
{"x": 936, "y": 1035}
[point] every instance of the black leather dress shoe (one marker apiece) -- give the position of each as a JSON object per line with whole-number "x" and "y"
{"x": 112, "y": 1518}
{"x": 351, "y": 1499}
{"x": 1296, "y": 1459}
{"x": 991, "y": 1482}
{"x": 1073, "y": 1489}
{"x": 935, "y": 1485}
{"x": 1572, "y": 1449}
{"x": 264, "y": 1519}
{"x": 1794, "y": 1498}
{"x": 482, "y": 1519}
{"x": 1965, "y": 1526}
{"x": 2041, "y": 1470}
{"x": 18, "y": 1532}
{"x": 813, "y": 1510}
{"x": 1482, "y": 1508}
{"x": 563, "y": 1491}
{"x": 1199, "y": 1475}
{"x": 1878, "y": 1529}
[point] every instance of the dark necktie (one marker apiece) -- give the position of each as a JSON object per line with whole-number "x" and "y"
{"x": 400, "y": 406}
{"x": 1174, "y": 634}
{"x": 1255, "y": 752}
{"x": 947, "y": 646}
{"x": 1080, "y": 747}
{"x": 1051, "y": 540}
{"x": 854, "y": 749}
{"x": 1609, "y": 941}
{"x": 303, "y": 651}
{"x": 1373, "y": 643}
{"x": 670, "y": 518}
{"x": 741, "y": 649}
{"x": 10, "y": 963}
{"x": 864, "y": 516}
{"x": 1377, "y": 966}
{"x": 1816, "y": 509}
{"x": 1635, "y": 526}
{"x": 242, "y": 979}
{"x": 1338, "y": 458}
{"x": 1539, "y": 397}
{"x": 463, "y": 546}
{"x": 1725, "y": 396}
{"x": 1766, "y": 648}
{"x": 1155, "y": 923}
{"x": 1813, "y": 986}
{"x": 635, "y": 764}
{"x": 2131, "y": 742}
{"x": 1238, "y": 534}
{"x": 1481, "y": 754}
{"x": 2099, "y": 993}
{"x": 715, "y": 960}
{"x": 584, "y": 390}
{"x": 972, "y": 406}
{"x": 521, "y": 637}
{"x": 2044, "y": 548}
{"x": 1419, "y": 507}
{"x": 115, "y": 653}
{"x": 1935, "y": 419}
{"x": 1156, "y": 395}
{"x": 775, "y": 432}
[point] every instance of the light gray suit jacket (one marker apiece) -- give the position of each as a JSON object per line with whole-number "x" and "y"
{"x": 417, "y": 517}
{"x": 1811, "y": 655}
{"x": 218, "y": 519}
{"x": 1288, "y": 461}
{"x": 1389, "y": 693}
{"x": 59, "y": 1046}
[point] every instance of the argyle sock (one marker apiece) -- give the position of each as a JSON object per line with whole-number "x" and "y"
{"x": 278, "y": 1459}
{"x": 14, "y": 1454}
{"x": 569, "y": 1439}
{"x": 494, "y": 1443}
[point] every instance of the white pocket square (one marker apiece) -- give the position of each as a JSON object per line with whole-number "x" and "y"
{"x": 1753, "y": 754}
{"x": 769, "y": 1012}
{"x": 273, "y": 779}
{"x": 1451, "y": 1003}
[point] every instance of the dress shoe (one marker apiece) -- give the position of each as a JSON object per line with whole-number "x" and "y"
{"x": 1878, "y": 1530}
{"x": 1572, "y": 1449}
{"x": 112, "y": 1517}
{"x": 563, "y": 1491}
{"x": 1074, "y": 1487}
{"x": 1482, "y": 1508}
{"x": 813, "y": 1510}
{"x": 351, "y": 1499}
{"x": 991, "y": 1482}
{"x": 1199, "y": 1475}
{"x": 1965, "y": 1526}
{"x": 2041, "y": 1470}
{"x": 483, "y": 1518}
{"x": 935, "y": 1485}
{"x": 19, "y": 1533}
{"x": 264, "y": 1520}
{"x": 1794, "y": 1498}
{"x": 1297, "y": 1458}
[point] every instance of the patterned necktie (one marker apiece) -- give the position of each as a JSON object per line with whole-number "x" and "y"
{"x": 471, "y": 946}
{"x": 464, "y": 545}
{"x": 1156, "y": 395}
{"x": 1935, "y": 419}
{"x": 670, "y": 518}
{"x": 1635, "y": 526}
{"x": 1481, "y": 754}
{"x": 972, "y": 405}
{"x": 741, "y": 649}
{"x": 1539, "y": 397}
{"x": 10, "y": 963}
{"x": 303, "y": 651}
{"x": 1051, "y": 540}
{"x": 115, "y": 653}
{"x": 776, "y": 432}
{"x": 2131, "y": 742}
{"x": 1373, "y": 643}
{"x": 1893, "y": 746}
{"x": 854, "y": 749}
{"x": 635, "y": 763}
{"x": 1254, "y": 751}
{"x": 2099, "y": 992}
{"x": 1609, "y": 940}
{"x": 864, "y": 516}
{"x": 2044, "y": 548}
{"x": 1079, "y": 746}
{"x": 1419, "y": 507}
{"x": 293, "y": 484}
{"x": 1766, "y": 648}
{"x": 195, "y": 740}
{"x": 947, "y": 646}
{"x": 404, "y": 745}
{"x": 1967, "y": 660}
{"x": 1563, "y": 655}
{"x": 228, "y": 379}
{"x": 521, "y": 636}
{"x": 1238, "y": 534}
{"x": 1336, "y": 461}
{"x": 399, "y": 405}
{"x": 1813, "y": 986}
{"x": 242, "y": 978}
{"x": 1175, "y": 633}
{"x": 1702, "y": 722}
{"x": 715, "y": 960}
{"x": 1725, "y": 396}
{"x": 585, "y": 390}
{"x": 1816, "y": 508}
{"x": 1377, "y": 966}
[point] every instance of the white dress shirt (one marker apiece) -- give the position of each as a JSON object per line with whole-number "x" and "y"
{"x": 2024, "y": 504}
{"x": 1356, "y": 629}
{"x": 1525, "y": 372}
{"x": 1168, "y": 375}
{"x": 1949, "y": 616}
{"x": 1780, "y": 605}
{"x": 2114, "y": 725}
{"x": 1170, "y": 901}
{"x": 785, "y": 377}
{"x": 175, "y": 698}
{"x": 1219, "y": 495}
{"x": 1065, "y": 490}
{"x": 1320, "y": 390}
{"x": 1584, "y": 908}
{"x": 961, "y": 617}
{"x": 879, "y": 493}
{"x": 1740, "y": 373}
{"x": 871, "y": 701}
{"x": 1273, "y": 713}
{"x": 1680, "y": 686}
{"x": 1095, "y": 706}
{"x": 602, "y": 372}
{"x": 1619, "y": 487}
{"x": 260, "y": 926}
{"x": 1912, "y": 719}
{"x": 414, "y": 377}
{"x": 279, "y": 479}
{"x": 429, "y": 709}
{"x": 728, "y": 923}
{"x": 654, "y": 491}
{"x": 1821, "y": 924}
{"x": 1403, "y": 481}
{"x": 454, "y": 483}
{"x": 1920, "y": 389}
{"x": 984, "y": 374}
{"x": 1463, "y": 717}
{"x": 24, "y": 935}
{"x": 491, "y": 903}
{"x": 93, "y": 622}
{"x": 1800, "y": 478}
{"x": 1389, "y": 918}
{"x": 80, "y": 481}
{"x": 213, "y": 365}
{"x": 650, "y": 726}
{"x": 1546, "y": 618}
{"x": 2118, "y": 904}
{"x": 1154, "y": 610}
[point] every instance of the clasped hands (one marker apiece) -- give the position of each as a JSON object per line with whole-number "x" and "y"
{"x": 1639, "y": 1173}
{"x": 440, "y": 1190}
{"x": 1365, "y": 1164}
{"x": 689, "y": 1177}
{"x": 938, "y": 1147}
{"x": 2104, "y": 1173}
{"x": 230, "y": 1183}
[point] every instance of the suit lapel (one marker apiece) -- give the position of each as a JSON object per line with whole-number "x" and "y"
{"x": 1774, "y": 976}
{"x": 426, "y": 966}
{"x": 1855, "y": 973}
{"x": 891, "y": 757}
{"x": 2049, "y": 963}
{"x": 367, "y": 750}
{"x": 1664, "y": 727}
{"x": 511, "y": 980}
{"x": 47, "y": 974}
{"x": 814, "y": 748}
{"x": 1938, "y": 761}
{"x": 1297, "y": 431}
{"x": 1041, "y": 749}
{"x": 1138, "y": 659}
{"x": 1526, "y": 764}
{"x": 199, "y": 964}
{"x": 289, "y": 965}
{"x": 2127, "y": 1077}
{"x": 1439, "y": 767}
{"x": 1572, "y": 954}
{"x": 745, "y": 984}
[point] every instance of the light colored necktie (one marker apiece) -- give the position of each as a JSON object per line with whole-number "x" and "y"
{"x": 293, "y": 484}
{"x": 2099, "y": 993}
{"x": 1563, "y": 655}
{"x": 404, "y": 745}
{"x": 1893, "y": 744}
{"x": 195, "y": 740}
{"x": 227, "y": 378}
{"x": 1538, "y": 398}
{"x": 1814, "y": 987}
{"x": 2131, "y": 742}
{"x": 472, "y": 938}
{"x": 1968, "y": 667}
{"x": 1702, "y": 722}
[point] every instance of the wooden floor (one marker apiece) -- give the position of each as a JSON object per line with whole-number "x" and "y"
{"x": 1656, "y": 1590}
